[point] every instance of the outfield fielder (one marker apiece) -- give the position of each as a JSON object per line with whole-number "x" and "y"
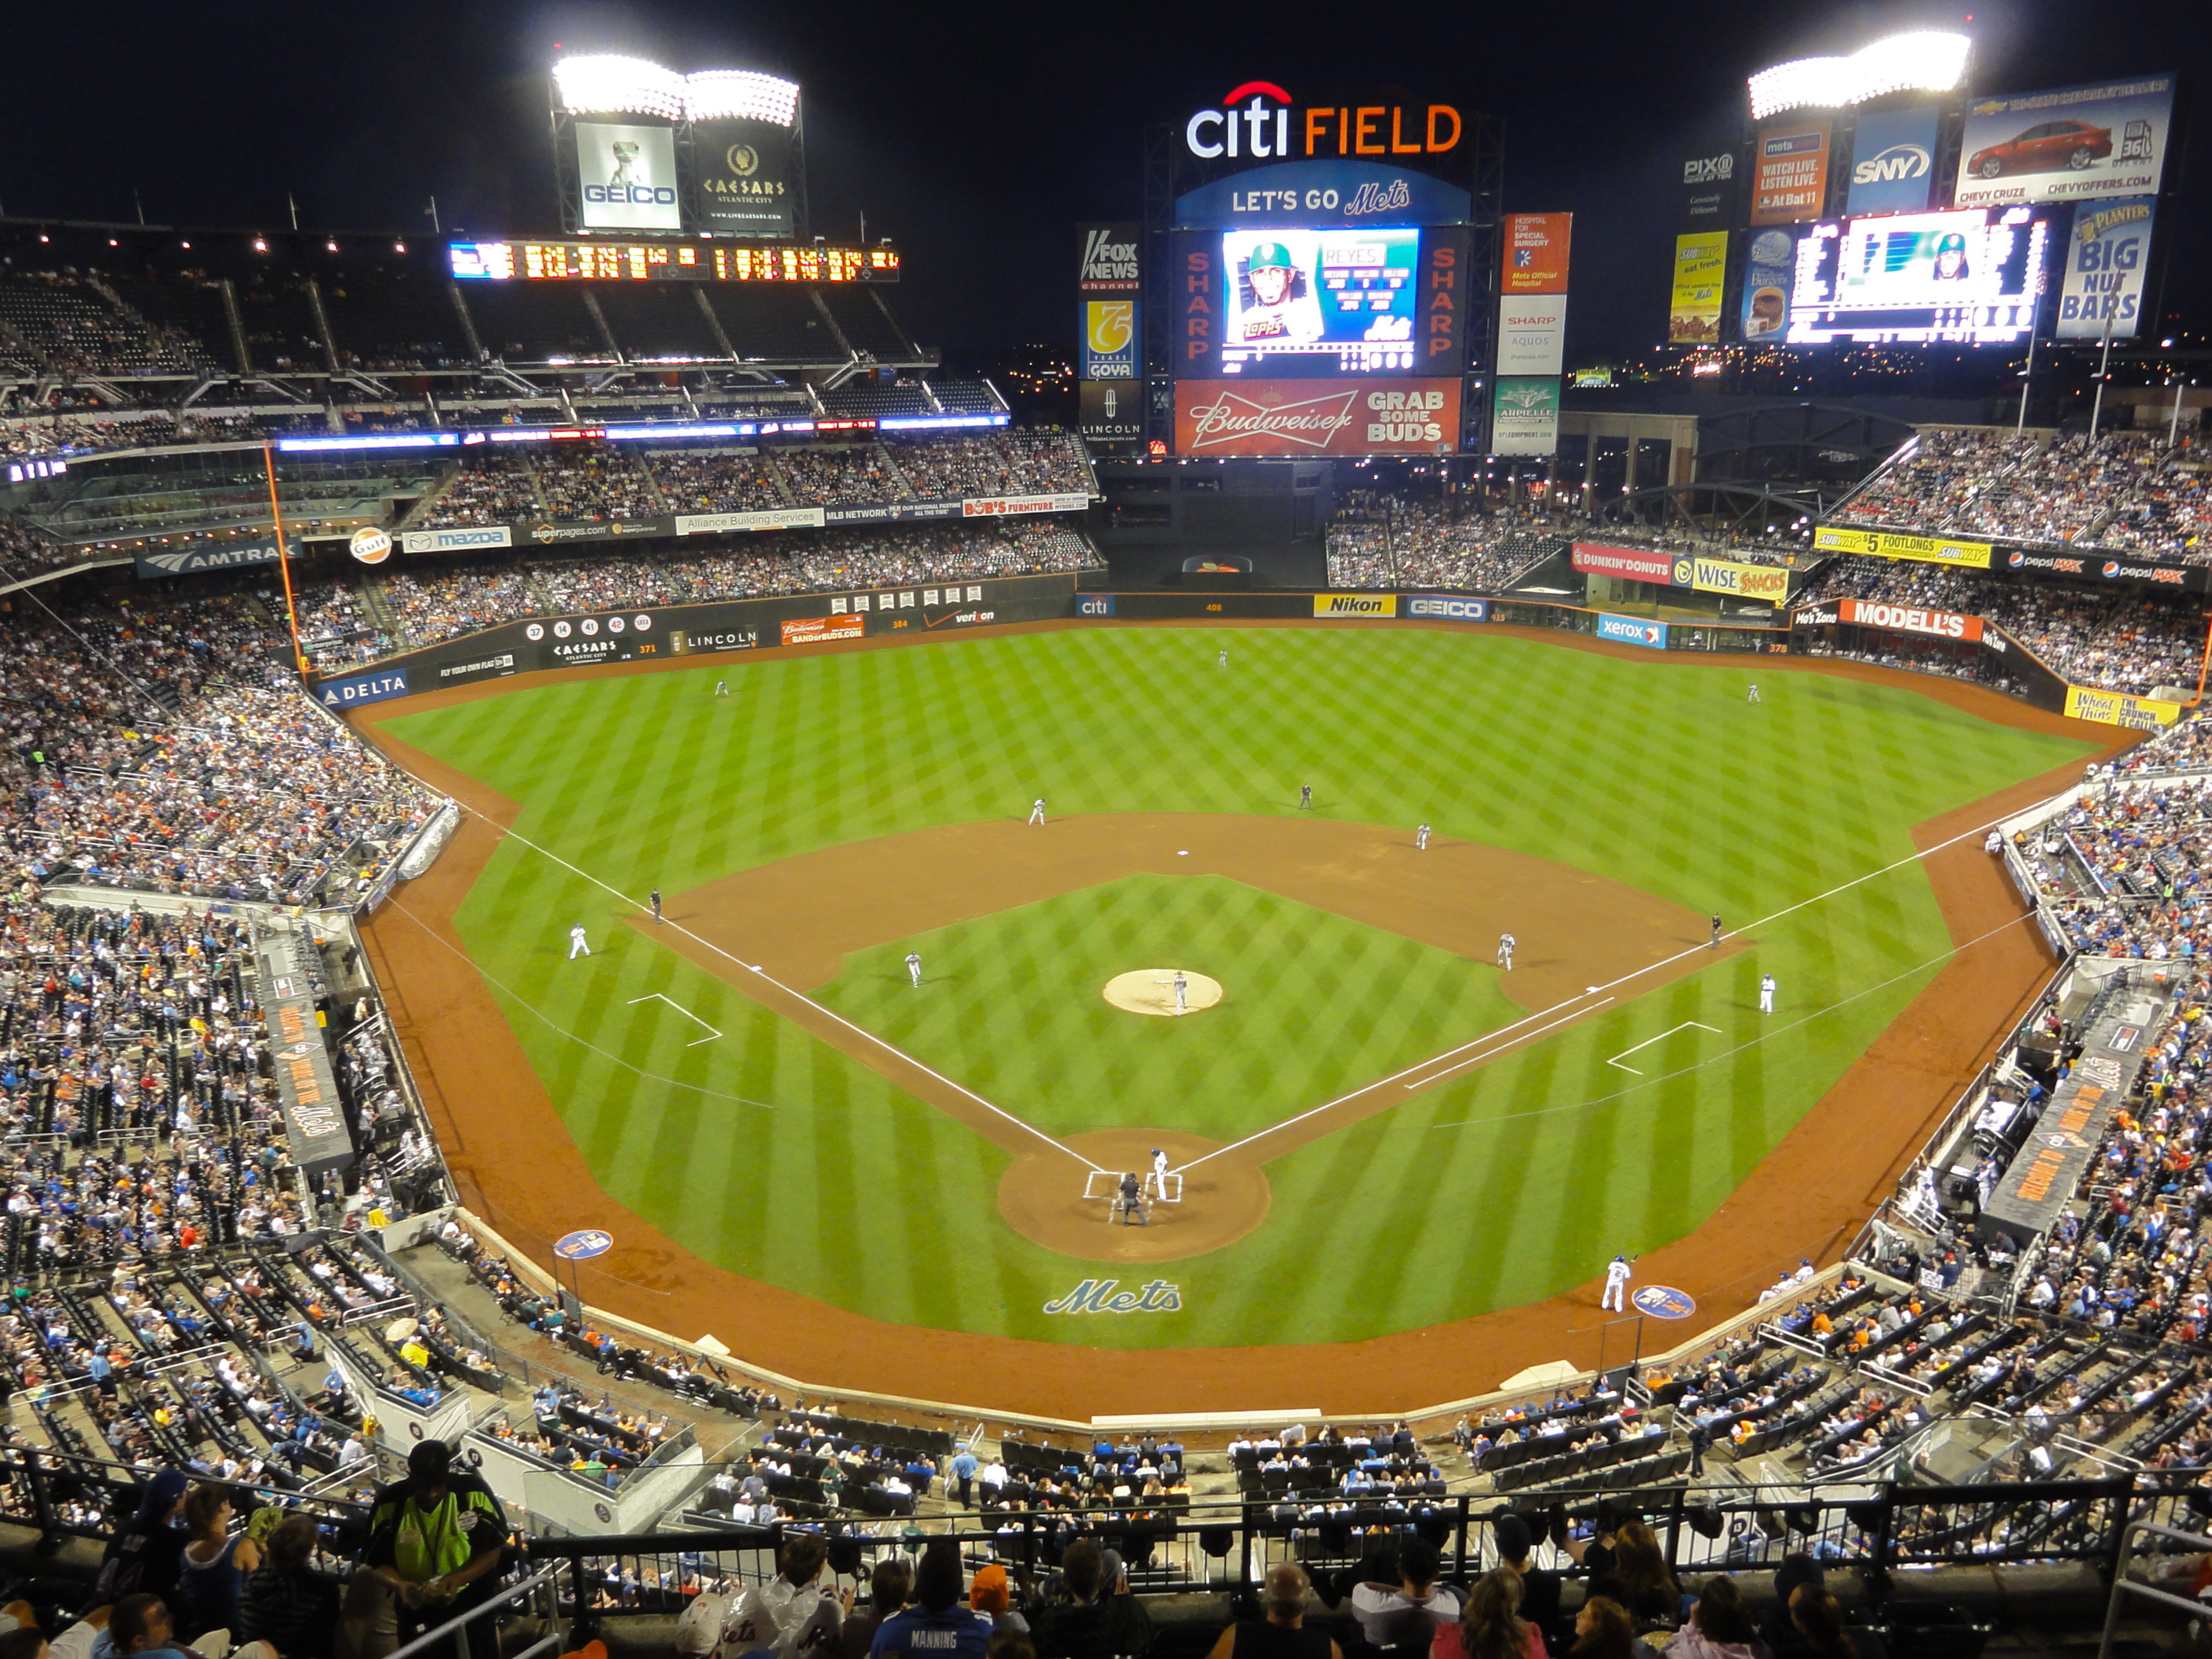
{"x": 1305, "y": 797}
{"x": 1505, "y": 951}
{"x": 1421, "y": 837}
{"x": 1037, "y": 810}
{"x": 913, "y": 968}
{"x": 578, "y": 944}
{"x": 1616, "y": 1285}
{"x": 1755, "y": 691}
{"x": 1223, "y": 661}
{"x": 1182, "y": 991}
{"x": 1766, "y": 993}
{"x": 721, "y": 688}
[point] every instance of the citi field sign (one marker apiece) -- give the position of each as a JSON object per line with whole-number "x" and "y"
{"x": 1261, "y": 122}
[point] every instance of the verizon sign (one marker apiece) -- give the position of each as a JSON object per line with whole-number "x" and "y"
{"x": 1377, "y": 416}
{"x": 1911, "y": 619}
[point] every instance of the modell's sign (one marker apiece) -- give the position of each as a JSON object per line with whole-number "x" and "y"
{"x": 1316, "y": 417}
{"x": 1911, "y": 619}
{"x": 1259, "y": 121}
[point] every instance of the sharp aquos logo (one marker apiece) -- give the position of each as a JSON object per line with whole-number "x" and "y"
{"x": 1255, "y": 121}
{"x": 1899, "y": 163}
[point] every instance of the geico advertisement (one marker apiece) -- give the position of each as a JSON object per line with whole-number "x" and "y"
{"x": 1365, "y": 417}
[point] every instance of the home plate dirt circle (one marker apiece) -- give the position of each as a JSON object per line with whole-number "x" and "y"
{"x": 1042, "y": 1197}
{"x": 1152, "y": 991}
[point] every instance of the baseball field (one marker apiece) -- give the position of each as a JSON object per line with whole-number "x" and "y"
{"x": 1377, "y": 1129}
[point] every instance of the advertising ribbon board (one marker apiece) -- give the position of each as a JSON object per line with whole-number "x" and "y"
{"x": 717, "y": 524}
{"x": 214, "y": 556}
{"x": 2114, "y": 708}
{"x": 1893, "y": 545}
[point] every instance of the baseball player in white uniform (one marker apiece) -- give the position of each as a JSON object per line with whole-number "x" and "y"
{"x": 913, "y": 968}
{"x": 1160, "y": 1172}
{"x": 1766, "y": 993}
{"x": 1421, "y": 837}
{"x": 1182, "y": 991}
{"x": 1037, "y": 810}
{"x": 1616, "y": 1285}
{"x": 1754, "y": 692}
{"x": 721, "y": 688}
{"x": 1223, "y": 660}
{"x": 1505, "y": 951}
{"x": 578, "y": 942}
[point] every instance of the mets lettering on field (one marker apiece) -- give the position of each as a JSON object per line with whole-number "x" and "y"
{"x": 1099, "y": 1296}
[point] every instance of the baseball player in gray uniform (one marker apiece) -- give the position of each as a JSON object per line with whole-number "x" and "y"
{"x": 1505, "y": 951}
{"x": 913, "y": 968}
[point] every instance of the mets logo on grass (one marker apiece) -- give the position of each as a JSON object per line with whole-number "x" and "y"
{"x": 1633, "y": 630}
{"x": 1355, "y": 604}
{"x": 1096, "y": 1296}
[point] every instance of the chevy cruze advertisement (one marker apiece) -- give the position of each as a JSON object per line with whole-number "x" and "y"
{"x": 2066, "y": 145}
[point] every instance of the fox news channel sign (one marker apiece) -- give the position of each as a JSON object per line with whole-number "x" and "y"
{"x": 626, "y": 177}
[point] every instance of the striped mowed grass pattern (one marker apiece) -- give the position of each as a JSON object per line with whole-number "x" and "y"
{"x": 1505, "y": 1186}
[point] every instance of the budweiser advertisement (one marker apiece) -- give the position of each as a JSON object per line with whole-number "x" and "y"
{"x": 1316, "y": 417}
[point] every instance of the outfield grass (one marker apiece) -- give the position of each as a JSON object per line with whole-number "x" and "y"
{"x": 1014, "y": 1009}
{"x": 781, "y": 1158}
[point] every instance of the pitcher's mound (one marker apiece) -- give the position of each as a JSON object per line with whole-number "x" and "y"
{"x": 1152, "y": 991}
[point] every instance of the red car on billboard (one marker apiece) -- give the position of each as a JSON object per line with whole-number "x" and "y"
{"x": 2044, "y": 148}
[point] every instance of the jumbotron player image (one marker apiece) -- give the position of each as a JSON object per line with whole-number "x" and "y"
{"x": 1275, "y": 298}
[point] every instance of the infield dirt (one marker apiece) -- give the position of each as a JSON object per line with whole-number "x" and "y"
{"x": 516, "y": 1164}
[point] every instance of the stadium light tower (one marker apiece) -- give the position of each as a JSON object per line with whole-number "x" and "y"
{"x": 1925, "y": 60}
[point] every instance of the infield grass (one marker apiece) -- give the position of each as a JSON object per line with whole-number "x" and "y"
{"x": 781, "y": 1158}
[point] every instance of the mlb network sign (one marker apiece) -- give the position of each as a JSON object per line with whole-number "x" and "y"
{"x": 1633, "y": 630}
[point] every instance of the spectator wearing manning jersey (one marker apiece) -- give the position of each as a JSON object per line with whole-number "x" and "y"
{"x": 940, "y": 1622}
{"x": 794, "y": 1615}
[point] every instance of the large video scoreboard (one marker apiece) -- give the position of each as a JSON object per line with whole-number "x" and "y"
{"x": 613, "y": 260}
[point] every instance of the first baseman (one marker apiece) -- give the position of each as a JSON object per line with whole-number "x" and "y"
{"x": 1505, "y": 951}
{"x": 913, "y": 967}
{"x": 579, "y": 942}
{"x": 1037, "y": 810}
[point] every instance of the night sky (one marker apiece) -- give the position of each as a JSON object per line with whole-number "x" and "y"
{"x": 976, "y": 137}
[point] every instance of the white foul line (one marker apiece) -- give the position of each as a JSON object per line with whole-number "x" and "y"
{"x": 1661, "y": 1037}
{"x": 651, "y": 996}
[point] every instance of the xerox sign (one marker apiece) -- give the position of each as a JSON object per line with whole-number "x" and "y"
{"x": 1633, "y": 630}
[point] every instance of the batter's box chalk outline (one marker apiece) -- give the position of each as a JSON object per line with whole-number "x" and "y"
{"x": 1168, "y": 1189}
{"x": 655, "y": 996}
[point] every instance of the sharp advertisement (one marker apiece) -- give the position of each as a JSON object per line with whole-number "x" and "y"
{"x": 1693, "y": 314}
{"x": 745, "y": 176}
{"x": 1380, "y": 416}
{"x": 2070, "y": 144}
{"x": 2108, "y": 253}
{"x": 1790, "y": 172}
{"x": 626, "y": 177}
{"x": 1320, "y": 303}
{"x": 1532, "y": 332}
{"x": 1973, "y": 277}
{"x": 1892, "y": 162}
